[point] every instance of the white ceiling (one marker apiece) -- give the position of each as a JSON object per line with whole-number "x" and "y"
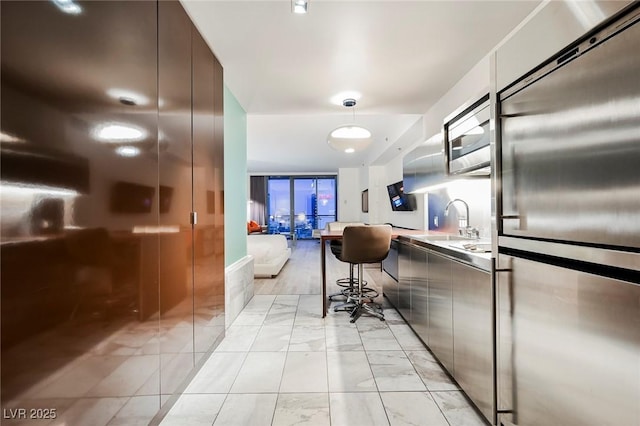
{"x": 401, "y": 56}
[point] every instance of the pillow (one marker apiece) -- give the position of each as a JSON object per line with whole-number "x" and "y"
{"x": 252, "y": 226}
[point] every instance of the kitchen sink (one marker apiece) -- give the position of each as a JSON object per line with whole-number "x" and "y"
{"x": 477, "y": 247}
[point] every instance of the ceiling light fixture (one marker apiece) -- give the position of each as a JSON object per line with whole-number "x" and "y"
{"x": 349, "y": 138}
{"x": 339, "y": 98}
{"x": 299, "y": 6}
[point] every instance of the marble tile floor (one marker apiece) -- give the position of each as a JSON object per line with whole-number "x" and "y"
{"x": 282, "y": 364}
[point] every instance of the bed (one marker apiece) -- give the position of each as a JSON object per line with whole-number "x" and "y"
{"x": 270, "y": 253}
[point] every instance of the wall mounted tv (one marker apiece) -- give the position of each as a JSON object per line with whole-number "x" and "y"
{"x": 127, "y": 197}
{"x": 400, "y": 202}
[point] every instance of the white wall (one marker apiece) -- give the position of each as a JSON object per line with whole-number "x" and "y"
{"x": 349, "y": 195}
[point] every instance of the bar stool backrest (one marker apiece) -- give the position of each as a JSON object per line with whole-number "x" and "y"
{"x": 365, "y": 244}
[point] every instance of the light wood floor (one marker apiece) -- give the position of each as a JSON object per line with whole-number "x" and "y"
{"x": 302, "y": 274}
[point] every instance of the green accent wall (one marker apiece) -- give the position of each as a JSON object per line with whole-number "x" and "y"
{"x": 235, "y": 179}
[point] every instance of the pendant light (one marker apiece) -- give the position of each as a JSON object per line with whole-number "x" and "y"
{"x": 349, "y": 138}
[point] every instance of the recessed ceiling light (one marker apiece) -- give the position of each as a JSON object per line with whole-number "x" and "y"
{"x": 119, "y": 133}
{"x": 299, "y": 6}
{"x": 349, "y": 150}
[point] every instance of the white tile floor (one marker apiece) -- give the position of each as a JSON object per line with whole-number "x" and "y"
{"x": 282, "y": 364}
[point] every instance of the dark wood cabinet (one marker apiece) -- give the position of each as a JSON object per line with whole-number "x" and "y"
{"x": 124, "y": 101}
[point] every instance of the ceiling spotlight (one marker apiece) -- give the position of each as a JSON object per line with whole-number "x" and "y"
{"x": 299, "y": 6}
{"x": 349, "y": 138}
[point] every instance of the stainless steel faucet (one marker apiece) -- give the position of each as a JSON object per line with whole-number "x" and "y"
{"x": 467, "y": 230}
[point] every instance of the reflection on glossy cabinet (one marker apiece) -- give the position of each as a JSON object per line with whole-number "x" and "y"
{"x": 100, "y": 262}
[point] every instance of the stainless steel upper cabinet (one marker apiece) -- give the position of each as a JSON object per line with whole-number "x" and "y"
{"x": 570, "y": 145}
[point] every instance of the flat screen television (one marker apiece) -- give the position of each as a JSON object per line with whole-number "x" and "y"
{"x": 400, "y": 202}
{"x": 127, "y": 197}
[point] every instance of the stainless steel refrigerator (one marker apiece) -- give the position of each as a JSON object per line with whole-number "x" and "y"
{"x": 568, "y": 267}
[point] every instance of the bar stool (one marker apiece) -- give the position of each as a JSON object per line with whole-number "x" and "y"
{"x": 360, "y": 245}
{"x": 347, "y": 283}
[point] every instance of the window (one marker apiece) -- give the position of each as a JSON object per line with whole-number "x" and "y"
{"x": 298, "y": 205}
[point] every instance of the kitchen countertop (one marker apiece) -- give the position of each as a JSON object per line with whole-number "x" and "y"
{"x": 452, "y": 246}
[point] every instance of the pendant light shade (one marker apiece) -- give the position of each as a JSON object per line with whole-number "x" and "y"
{"x": 349, "y": 138}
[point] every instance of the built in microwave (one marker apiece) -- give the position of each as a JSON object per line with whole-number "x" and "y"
{"x": 466, "y": 139}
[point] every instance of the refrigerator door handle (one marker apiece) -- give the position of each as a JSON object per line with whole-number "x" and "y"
{"x": 503, "y": 279}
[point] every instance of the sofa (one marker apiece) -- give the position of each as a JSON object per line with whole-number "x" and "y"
{"x": 269, "y": 251}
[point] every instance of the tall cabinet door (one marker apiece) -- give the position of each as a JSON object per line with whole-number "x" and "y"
{"x": 208, "y": 244}
{"x": 174, "y": 190}
{"x": 216, "y": 322}
{"x": 79, "y": 206}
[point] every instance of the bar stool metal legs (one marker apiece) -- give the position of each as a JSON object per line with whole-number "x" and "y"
{"x": 363, "y": 301}
{"x": 360, "y": 245}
